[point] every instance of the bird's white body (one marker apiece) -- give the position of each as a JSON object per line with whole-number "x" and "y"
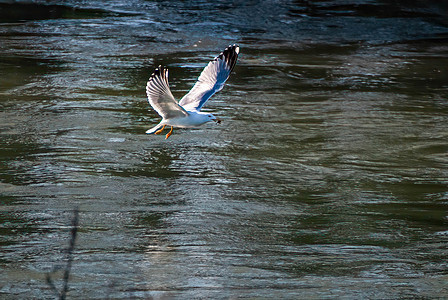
{"x": 186, "y": 113}
{"x": 194, "y": 119}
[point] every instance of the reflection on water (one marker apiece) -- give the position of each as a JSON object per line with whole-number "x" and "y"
{"x": 327, "y": 177}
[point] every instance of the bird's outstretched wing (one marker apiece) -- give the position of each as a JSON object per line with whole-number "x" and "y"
{"x": 160, "y": 96}
{"x": 211, "y": 80}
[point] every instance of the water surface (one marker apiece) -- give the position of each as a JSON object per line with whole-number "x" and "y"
{"x": 327, "y": 178}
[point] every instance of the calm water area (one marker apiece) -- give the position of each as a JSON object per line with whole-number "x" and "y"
{"x": 327, "y": 178}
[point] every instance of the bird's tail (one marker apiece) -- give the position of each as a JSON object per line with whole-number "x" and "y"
{"x": 154, "y": 129}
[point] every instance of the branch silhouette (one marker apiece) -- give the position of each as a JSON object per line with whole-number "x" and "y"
{"x": 73, "y": 233}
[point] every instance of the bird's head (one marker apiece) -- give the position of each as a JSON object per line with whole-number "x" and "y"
{"x": 211, "y": 117}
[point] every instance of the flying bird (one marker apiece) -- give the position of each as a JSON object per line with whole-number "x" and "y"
{"x": 187, "y": 113}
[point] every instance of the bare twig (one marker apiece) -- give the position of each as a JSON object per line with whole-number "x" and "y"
{"x": 62, "y": 295}
{"x": 51, "y": 284}
{"x": 71, "y": 247}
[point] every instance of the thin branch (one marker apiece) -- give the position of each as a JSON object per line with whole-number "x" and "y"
{"x": 68, "y": 267}
{"x": 71, "y": 247}
{"x": 52, "y": 286}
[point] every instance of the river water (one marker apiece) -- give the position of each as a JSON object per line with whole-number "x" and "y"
{"x": 328, "y": 177}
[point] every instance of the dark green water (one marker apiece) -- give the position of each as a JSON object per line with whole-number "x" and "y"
{"x": 328, "y": 177}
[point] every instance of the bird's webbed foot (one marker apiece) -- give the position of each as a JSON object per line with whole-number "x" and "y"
{"x": 160, "y": 130}
{"x": 169, "y": 133}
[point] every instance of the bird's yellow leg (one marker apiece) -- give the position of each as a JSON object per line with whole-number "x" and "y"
{"x": 160, "y": 130}
{"x": 169, "y": 133}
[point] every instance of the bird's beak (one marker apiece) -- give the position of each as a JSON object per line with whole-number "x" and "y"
{"x": 218, "y": 121}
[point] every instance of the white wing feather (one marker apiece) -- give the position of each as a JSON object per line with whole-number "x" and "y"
{"x": 211, "y": 80}
{"x": 160, "y": 96}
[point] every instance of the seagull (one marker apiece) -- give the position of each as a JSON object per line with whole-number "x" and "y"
{"x": 187, "y": 113}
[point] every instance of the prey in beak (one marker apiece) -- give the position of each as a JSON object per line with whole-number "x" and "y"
{"x": 218, "y": 121}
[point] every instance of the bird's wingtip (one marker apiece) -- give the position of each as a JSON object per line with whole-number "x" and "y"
{"x": 159, "y": 71}
{"x": 235, "y": 47}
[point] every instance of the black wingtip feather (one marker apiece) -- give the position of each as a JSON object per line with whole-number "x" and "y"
{"x": 159, "y": 71}
{"x": 230, "y": 55}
